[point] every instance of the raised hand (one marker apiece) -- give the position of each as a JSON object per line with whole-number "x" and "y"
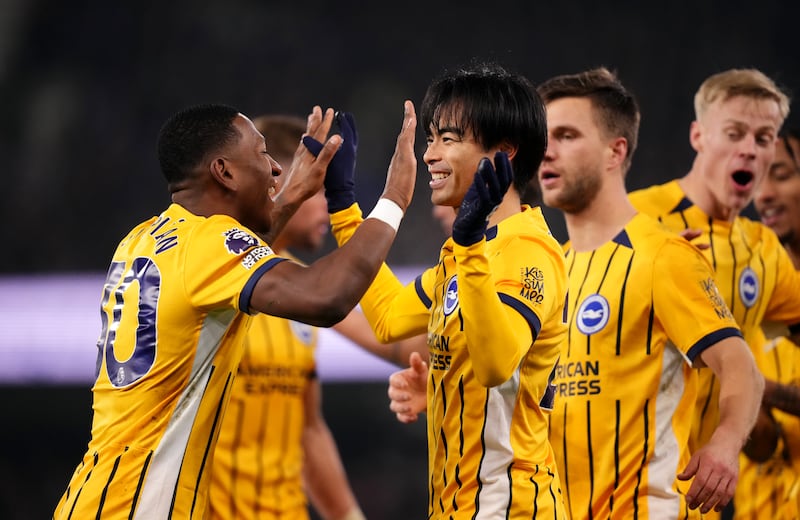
{"x": 307, "y": 172}
{"x": 407, "y": 390}
{"x": 402, "y": 174}
{"x": 484, "y": 195}
{"x": 340, "y": 177}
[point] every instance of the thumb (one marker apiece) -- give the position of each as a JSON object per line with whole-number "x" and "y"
{"x": 690, "y": 469}
{"x": 417, "y": 364}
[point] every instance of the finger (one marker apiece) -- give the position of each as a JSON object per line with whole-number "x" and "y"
{"x": 407, "y": 418}
{"x": 314, "y": 119}
{"x": 329, "y": 150}
{"x": 690, "y": 469}
{"x": 320, "y": 125}
{"x": 313, "y": 146}
{"x": 398, "y": 380}
{"x": 417, "y": 364}
{"x": 486, "y": 169}
{"x": 408, "y": 130}
{"x": 505, "y": 172}
{"x": 353, "y": 130}
{"x": 479, "y": 184}
{"x": 347, "y": 127}
{"x": 399, "y": 406}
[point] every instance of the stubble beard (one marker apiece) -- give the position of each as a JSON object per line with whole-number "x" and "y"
{"x": 578, "y": 194}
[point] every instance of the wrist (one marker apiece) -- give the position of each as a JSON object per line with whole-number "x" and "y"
{"x": 386, "y": 210}
{"x": 339, "y": 200}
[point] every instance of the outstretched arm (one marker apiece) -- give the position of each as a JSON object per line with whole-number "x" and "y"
{"x": 323, "y": 472}
{"x": 324, "y": 292}
{"x": 356, "y": 328}
{"x": 715, "y": 466}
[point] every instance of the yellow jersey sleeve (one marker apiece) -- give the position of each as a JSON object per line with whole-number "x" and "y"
{"x": 699, "y": 316}
{"x": 394, "y": 311}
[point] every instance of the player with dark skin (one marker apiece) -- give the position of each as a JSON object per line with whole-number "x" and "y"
{"x": 189, "y": 301}
{"x": 236, "y": 182}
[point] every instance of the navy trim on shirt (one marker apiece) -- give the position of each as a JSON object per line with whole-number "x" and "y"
{"x": 247, "y": 291}
{"x": 684, "y": 204}
{"x": 711, "y": 339}
{"x": 525, "y": 311}
{"x": 623, "y": 239}
{"x": 426, "y": 301}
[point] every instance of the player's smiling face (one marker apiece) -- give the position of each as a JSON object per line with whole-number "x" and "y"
{"x": 777, "y": 200}
{"x": 452, "y": 157}
{"x": 735, "y": 141}
{"x": 254, "y": 170}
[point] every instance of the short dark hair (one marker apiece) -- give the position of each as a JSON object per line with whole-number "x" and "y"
{"x": 494, "y": 105}
{"x": 787, "y": 135}
{"x": 618, "y": 110}
{"x": 189, "y": 136}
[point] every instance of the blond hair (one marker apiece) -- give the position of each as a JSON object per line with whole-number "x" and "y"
{"x": 750, "y": 83}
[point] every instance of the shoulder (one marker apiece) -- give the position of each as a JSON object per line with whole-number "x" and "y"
{"x": 529, "y": 229}
{"x": 662, "y": 196}
{"x": 756, "y": 230}
{"x": 663, "y": 244}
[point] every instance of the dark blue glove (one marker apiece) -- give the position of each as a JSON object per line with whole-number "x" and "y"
{"x": 487, "y": 191}
{"x": 340, "y": 177}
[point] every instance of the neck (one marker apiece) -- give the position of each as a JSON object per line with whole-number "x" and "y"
{"x": 509, "y": 207}
{"x": 602, "y": 219}
{"x": 694, "y": 187}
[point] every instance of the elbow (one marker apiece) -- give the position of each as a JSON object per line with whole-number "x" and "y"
{"x": 329, "y": 318}
{"x": 760, "y": 384}
{"x": 333, "y": 311}
{"x": 490, "y": 376}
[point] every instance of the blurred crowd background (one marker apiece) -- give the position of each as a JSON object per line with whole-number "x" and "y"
{"x": 85, "y": 86}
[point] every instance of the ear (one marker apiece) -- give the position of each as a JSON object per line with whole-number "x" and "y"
{"x": 221, "y": 173}
{"x": 695, "y": 136}
{"x": 509, "y": 150}
{"x": 619, "y": 151}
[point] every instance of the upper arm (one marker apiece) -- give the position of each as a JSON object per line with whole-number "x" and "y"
{"x": 290, "y": 290}
{"x": 726, "y": 354}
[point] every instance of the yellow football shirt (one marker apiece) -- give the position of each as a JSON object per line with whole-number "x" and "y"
{"x": 772, "y": 489}
{"x": 258, "y": 462}
{"x": 642, "y": 307}
{"x": 488, "y": 449}
{"x": 173, "y": 324}
{"x": 753, "y": 272}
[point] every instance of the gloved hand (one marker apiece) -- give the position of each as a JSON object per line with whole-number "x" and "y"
{"x": 340, "y": 176}
{"x": 487, "y": 191}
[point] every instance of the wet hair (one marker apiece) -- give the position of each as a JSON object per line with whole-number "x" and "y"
{"x": 191, "y": 135}
{"x": 750, "y": 83}
{"x": 495, "y": 106}
{"x": 617, "y": 109}
{"x": 282, "y": 133}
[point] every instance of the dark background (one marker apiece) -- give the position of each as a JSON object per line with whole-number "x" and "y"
{"x": 85, "y": 85}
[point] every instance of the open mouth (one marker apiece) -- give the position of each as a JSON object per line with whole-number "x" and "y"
{"x": 742, "y": 177}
